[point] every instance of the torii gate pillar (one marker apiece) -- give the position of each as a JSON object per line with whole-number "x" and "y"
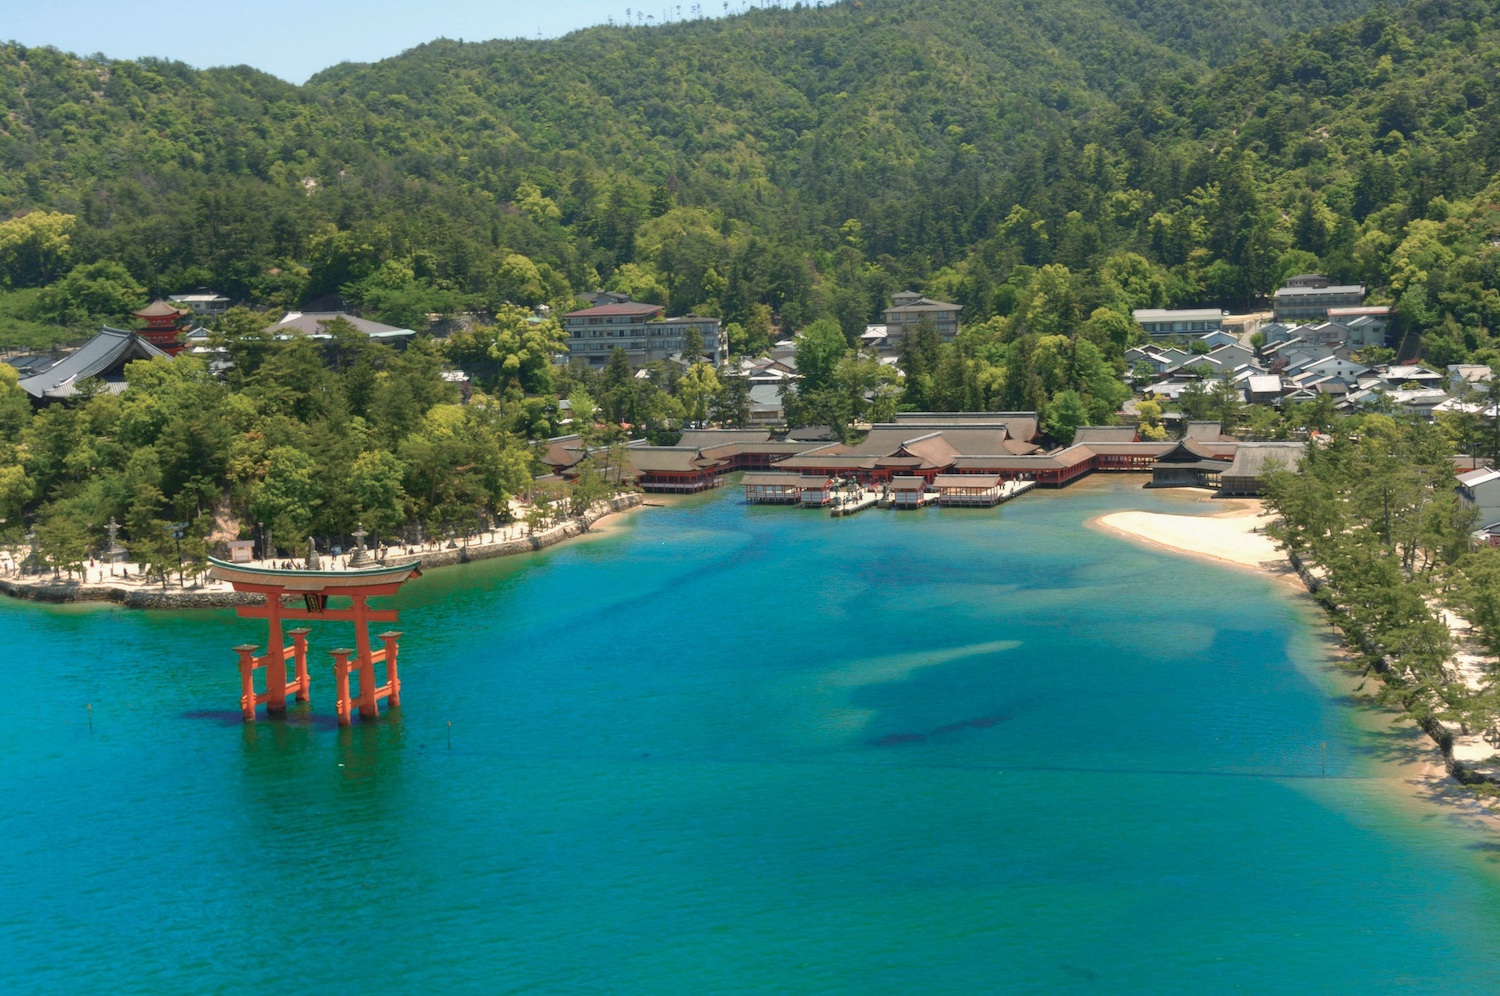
{"x": 316, "y": 587}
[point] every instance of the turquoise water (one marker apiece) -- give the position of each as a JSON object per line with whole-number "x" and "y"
{"x": 731, "y": 749}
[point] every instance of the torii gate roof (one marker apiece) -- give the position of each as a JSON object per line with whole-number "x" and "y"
{"x": 244, "y": 577}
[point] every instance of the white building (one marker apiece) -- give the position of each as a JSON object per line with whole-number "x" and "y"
{"x": 639, "y": 330}
{"x": 1191, "y": 322}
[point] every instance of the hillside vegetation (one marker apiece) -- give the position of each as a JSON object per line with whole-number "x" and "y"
{"x": 808, "y": 161}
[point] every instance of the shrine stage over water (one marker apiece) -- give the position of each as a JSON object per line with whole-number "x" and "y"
{"x": 728, "y": 748}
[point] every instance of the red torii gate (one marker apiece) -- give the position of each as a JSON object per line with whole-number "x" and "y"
{"x": 315, "y": 587}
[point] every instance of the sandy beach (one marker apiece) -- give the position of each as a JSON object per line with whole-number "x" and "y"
{"x": 1234, "y": 536}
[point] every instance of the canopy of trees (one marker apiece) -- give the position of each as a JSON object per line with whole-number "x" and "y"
{"x": 805, "y": 161}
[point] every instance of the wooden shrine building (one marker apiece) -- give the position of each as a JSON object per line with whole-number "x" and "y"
{"x": 774, "y": 489}
{"x": 968, "y": 490}
{"x": 1187, "y": 465}
{"x": 1253, "y": 461}
{"x": 673, "y": 469}
{"x": 818, "y": 489}
{"x": 908, "y": 491}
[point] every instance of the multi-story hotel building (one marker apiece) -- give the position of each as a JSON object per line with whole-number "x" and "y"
{"x": 907, "y": 311}
{"x": 1310, "y": 296}
{"x": 1183, "y": 322}
{"x": 640, "y": 331}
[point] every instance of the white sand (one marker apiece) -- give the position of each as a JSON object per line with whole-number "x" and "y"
{"x": 1234, "y": 536}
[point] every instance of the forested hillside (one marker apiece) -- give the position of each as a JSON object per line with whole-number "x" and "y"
{"x": 806, "y": 161}
{"x": 1050, "y": 166}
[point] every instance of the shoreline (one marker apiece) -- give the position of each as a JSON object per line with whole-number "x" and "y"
{"x": 1420, "y": 771}
{"x": 1235, "y": 536}
{"x": 150, "y": 595}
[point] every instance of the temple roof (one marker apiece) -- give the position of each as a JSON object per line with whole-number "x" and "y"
{"x": 704, "y": 438}
{"x": 668, "y": 460}
{"x": 160, "y": 309}
{"x": 1187, "y": 453}
{"x": 1105, "y": 434}
{"x": 966, "y": 481}
{"x": 783, "y": 480}
{"x": 104, "y": 356}
{"x": 1255, "y": 459}
{"x": 314, "y": 323}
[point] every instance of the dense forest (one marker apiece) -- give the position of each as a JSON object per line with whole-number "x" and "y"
{"x": 805, "y": 161}
{"x": 1048, "y": 166}
{"x": 809, "y": 161}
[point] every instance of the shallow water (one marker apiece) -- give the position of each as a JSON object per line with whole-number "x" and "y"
{"x": 736, "y": 749}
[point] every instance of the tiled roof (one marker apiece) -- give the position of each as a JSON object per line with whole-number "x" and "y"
{"x": 941, "y": 481}
{"x": 1105, "y": 433}
{"x": 314, "y": 322}
{"x": 631, "y": 309}
{"x": 159, "y": 309}
{"x": 110, "y": 350}
{"x": 667, "y": 459}
{"x": 702, "y": 438}
{"x": 923, "y": 304}
{"x": 1188, "y": 453}
{"x": 1255, "y": 459}
{"x": 780, "y": 480}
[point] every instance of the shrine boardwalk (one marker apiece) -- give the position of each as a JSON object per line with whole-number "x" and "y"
{"x": 921, "y": 454}
{"x": 845, "y": 496}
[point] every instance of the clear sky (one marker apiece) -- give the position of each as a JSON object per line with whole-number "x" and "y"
{"x": 294, "y": 39}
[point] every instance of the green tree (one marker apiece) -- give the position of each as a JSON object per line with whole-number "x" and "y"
{"x": 285, "y": 498}
{"x": 1065, "y": 414}
{"x": 62, "y": 536}
{"x": 1227, "y": 405}
{"x": 819, "y": 347}
{"x": 374, "y": 482}
{"x": 1196, "y": 403}
{"x": 697, "y": 389}
{"x": 92, "y": 292}
{"x": 34, "y": 247}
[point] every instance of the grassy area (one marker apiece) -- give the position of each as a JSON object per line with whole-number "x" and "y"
{"x": 21, "y": 333}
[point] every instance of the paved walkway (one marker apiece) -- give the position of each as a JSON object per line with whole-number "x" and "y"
{"x": 130, "y": 577}
{"x": 1470, "y": 667}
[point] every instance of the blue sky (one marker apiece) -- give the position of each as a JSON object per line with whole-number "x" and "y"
{"x": 294, "y": 40}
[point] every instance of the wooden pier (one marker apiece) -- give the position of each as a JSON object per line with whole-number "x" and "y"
{"x": 848, "y": 505}
{"x": 840, "y": 497}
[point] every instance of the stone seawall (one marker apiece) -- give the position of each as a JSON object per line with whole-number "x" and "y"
{"x": 131, "y": 598}
{"x": 149, "y": 598}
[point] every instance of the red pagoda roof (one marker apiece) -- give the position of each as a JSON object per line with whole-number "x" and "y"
{"x": 160, "y": 309}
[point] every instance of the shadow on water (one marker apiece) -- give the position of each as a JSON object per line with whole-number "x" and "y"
{"x": 222, "y": 717}
{"x": 294, "y": 717}
{"x": 1398, "y": 745}
{"x": 977, "y": 723}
